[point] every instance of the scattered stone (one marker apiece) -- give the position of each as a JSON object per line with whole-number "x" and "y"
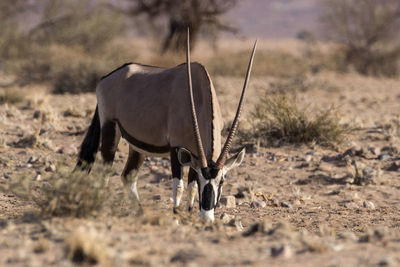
{"x": 282, "y": 251}
{"x": 369, "y": 205}
{"x": 374, "y": 150}
{"x": 384, "y": 157}
{"x": 68, "y": 150}
{"x": 308, "y": 158}
{"x": 347, "y": 236}
{"x": 238, "y": 224}
{"x": 351, "y": 205}
{"x": 50, "y": 168}
{"x": 324, "y": 167}
{"x": 157, "y": 197}
{"x": 303, "y": 165}
{"x": 354, "y": 151}
{"x": 36, "y": 114}
{"x": 258, "y": 204}
{"x": 185, "y": 256}
{"x": 228, "y": 201}
{"x": 227, "y": 218}
{"x": 395, "y": 166}
{"x": 286, "y": 205}
{"x": 38, "y": 177}
{"x": 374, "y": 235}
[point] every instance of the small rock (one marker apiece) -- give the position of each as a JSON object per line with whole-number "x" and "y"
{"x": 347, "y": 236}
{"x": 395, "y": 166}
{"x": 384, "y": 157}
{"x": 37, "y": 114}
{"x": 227, "y": 218}
{"x": 324, "y": 167}
{"x": 308, "y": 158}
{"x": 238, "y": 224}
{"x": 354, "y": 151}
{"x": 286, "y": 205}
{"x": 258, "y": 204}
{"x": 351, "y": 205}
{"x": 228, "y": 201}
{"x": 369, "y": 205}
{"x": 50, "y": 168}
{"x": 68, "y": 150}
{"x": 157, "y": 197}
{"x": 282, "y": 251}
{"x": 38, "y": 177}
{"x": 374, "y": 150}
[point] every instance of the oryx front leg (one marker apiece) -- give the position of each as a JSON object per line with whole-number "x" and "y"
{"x": 177, "y": 184}
{"x": 130, "y": 174}
{"x": 192, "y": 188}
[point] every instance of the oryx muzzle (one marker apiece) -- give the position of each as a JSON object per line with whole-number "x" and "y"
{"x": 162, "y": 111}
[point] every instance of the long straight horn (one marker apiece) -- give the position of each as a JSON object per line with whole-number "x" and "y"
{"x": 194, "y": 116}
{"x": 222, "y": 158}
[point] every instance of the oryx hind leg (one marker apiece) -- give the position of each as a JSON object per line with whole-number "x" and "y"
{"x": 110, "y": 136}
{"x": 130, "y": 173}
{"x": 177, "y": 184}
{"x": 192, "y": 189}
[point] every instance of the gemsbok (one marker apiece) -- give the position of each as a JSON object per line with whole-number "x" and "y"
{"x": 162, "y": 111}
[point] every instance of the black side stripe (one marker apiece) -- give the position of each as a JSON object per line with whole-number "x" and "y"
{"x": 139, "y": 144}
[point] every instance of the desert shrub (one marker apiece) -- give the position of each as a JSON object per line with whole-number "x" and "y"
{"x": 270, "y": 63}
{"x": 64, "y": 193}
{"x": 368, "y": 32}
{"x": 11, "y": 96}
{"x": 77, "y": 79}
{"x": 278, "y": 118}
{"x": 67, "y": 70}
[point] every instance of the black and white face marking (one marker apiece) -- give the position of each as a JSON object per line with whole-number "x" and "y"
{"x": 210, "y": 190}
{"x": 209, "y": 180}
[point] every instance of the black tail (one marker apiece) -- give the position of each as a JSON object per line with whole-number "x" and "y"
{"x": 90, "y": 144}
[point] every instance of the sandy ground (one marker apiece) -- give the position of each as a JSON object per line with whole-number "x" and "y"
{"x": 296, "y": 205}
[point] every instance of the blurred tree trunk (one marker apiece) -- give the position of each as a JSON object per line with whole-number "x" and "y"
{"x": 201, "y": 16}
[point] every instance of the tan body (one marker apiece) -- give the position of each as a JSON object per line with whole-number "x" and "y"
{"x": 152, "y": 104}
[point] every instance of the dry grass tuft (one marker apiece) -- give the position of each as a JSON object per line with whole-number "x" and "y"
{"x": 278, "y": 118}
{"x": 85, "y": 245}
{"x": 75, "y": 194}
{"x": 11, "y": 96}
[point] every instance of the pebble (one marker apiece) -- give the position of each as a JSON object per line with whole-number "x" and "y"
{"x": 286, "y": 205}
{"x": 258, "y": 204}
{"x": 228, "y": 201}
{"x": 157, "y": 197}
{"x": 369, "y": 205}
{"x": 374, "y": 150}
{"x": 308, "y": 158}
{"x": 68, "y": 150}
{"x": 395, "y": 166}
{"x": 281, "y": 251}
{"x": 50, "y": 168}
{"x": 351, "y": 205}
{"x": 227, "y": 218}
{"x": 384, "y": 156}
{"x": 348, "y": 236}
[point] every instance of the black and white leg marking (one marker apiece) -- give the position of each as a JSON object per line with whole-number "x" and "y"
{"x": 193, "y": 188}
{"x": 130, "y": 173}
{"x": 177, "y": 184}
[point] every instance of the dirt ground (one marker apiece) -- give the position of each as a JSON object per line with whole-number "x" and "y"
{"x": 296, "y": 205}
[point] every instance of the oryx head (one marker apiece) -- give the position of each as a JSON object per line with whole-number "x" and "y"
{"x": 211, "y": 175}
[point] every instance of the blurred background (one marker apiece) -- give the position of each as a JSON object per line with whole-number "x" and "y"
{"x": 69, "y": 45}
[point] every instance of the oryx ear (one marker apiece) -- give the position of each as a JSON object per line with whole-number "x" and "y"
{"x": 186, "y": 158}
{"x": 235, "y": 160}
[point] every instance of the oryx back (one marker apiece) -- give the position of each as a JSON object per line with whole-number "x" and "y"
{"x": 152, "y": 109}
